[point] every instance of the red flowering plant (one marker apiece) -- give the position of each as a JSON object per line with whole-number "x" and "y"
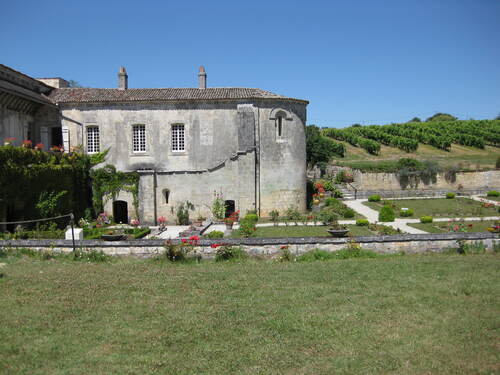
{"x": 162, "y": 222}
{"x": 234, "y": 217}
{"x": 56, "y": 149}
{"x": 180, "y": 251}
{"x": 39, "y": 146}
{"x": 27, "y": 143}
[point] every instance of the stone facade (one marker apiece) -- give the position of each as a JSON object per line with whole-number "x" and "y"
{"x": 232, "y": 146}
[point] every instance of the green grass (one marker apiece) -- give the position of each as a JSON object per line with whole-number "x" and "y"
{"x": 303, "y": 231}
{"x": 439, "y": 207}
{"x": 440, "y": 227}
{"x": 436, "y": 314}
{"x": 468, "y": 158}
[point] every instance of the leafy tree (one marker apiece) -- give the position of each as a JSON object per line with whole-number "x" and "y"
{"x": 441, "y": 117}
{"x": 320, "y": 148}
{"x": 73, "y": 83}
{"x": 415, "y": 119}
{"x": 498, "y": 117}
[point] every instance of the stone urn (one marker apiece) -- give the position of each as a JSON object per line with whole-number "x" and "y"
{"x": 338, "y": 232}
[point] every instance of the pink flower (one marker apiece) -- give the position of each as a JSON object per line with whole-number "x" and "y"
{"x": 214, "y": 245}
{"x": 194, "y": 238}
{"x": 184, "y": 240}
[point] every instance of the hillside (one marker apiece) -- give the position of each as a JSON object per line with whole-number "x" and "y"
{"x": 468, "y": 144}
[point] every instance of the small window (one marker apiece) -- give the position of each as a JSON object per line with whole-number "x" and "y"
{"x": 139, "y": 138}
{"x": 279, "y": 126}
{"x": 178, "y": 139}
{"x": 93, "y": 141}
{"x": 166, "y": 195}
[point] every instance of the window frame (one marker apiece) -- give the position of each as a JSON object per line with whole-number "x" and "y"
{"x": 175, "y": 138}
{"x": 92, "y": 150}
{"x": 138, "y": 141}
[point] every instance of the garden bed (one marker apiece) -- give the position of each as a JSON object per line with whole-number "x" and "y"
{"x": 439, "y": 207}
{"x": 454, "y": 226}
{"x": 316, "y": 231}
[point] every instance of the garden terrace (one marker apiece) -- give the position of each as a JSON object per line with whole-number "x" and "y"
{"x": 439, "y": 207}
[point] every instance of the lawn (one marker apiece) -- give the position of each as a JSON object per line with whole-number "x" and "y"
{"x": 444, "y": 227}
{"x": 306, "y": 231}
{"x": 434, "y": 314}
{"x": 439, "y": 207}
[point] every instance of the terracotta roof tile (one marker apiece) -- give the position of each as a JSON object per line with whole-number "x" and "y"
{"x": 90, "y": 95}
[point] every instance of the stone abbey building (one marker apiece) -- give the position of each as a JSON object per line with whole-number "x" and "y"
{"x": 186, "y": 143}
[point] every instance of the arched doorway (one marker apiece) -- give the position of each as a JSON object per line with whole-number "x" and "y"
{"x": 120, "y": 212}
{"x": 229, "y": 208}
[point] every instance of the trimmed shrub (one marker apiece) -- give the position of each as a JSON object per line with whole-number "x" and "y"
{"x": 386, "y": 214}
{"x": 331, "y": 202}
{"x": 252, "y": 217}
{"x": 450, "y": 195}
{"x": 362, "y": 222}
{"x": 215, "y": 234}
{"x": 426, "y": 219}
{"x": 493, "y": 193}
{"x": 348, "y": 213}
{"x": 406, "y": 213}
{"x": 374, "y": 198}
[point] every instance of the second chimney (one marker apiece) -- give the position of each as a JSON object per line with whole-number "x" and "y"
{"x": 202, "y": 78}
{"x": 122, "y": 79}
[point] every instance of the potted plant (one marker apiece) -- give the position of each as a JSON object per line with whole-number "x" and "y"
{"x": 199, "y": 221}
{"x": 231, "y": 219}
{"x": 162, "y": 222}
{"x": 330, "y": 218}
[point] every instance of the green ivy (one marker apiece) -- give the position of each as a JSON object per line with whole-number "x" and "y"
{"x": 26, "y": 173}
{"x": 107, "y": 183}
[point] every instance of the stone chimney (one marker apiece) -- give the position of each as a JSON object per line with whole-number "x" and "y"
{"x": 202, "y": 78}
{"x": 122, "y": 79}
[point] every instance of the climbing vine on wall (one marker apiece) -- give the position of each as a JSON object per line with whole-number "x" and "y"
{"x": 27, "y": 173}
{"x": 107, "y": 183}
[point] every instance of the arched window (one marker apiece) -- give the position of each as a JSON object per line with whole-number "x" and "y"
{"x": 280, "y": 124}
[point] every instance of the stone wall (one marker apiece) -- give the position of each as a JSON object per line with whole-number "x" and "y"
{"x": 271, "y": 247}
{"x": 231, "y": 146}
{"x": 465, "y": 180}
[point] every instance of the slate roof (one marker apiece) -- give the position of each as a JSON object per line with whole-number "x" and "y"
{"x": 90, "y": 95}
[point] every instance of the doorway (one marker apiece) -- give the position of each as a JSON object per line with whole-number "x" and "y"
{"x": 229, "y": 208}
{"x": 120, "y": 212}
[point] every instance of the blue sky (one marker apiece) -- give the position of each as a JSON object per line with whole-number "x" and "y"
{"x": 368, "y": 62}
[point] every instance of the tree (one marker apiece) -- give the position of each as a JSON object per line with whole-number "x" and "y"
{"x": 73, "y": 83}
{"x": 441, "y": 117}
{"x": 415, "y": 119}
{"x": 320, "y": 149}
{"x": 498, "y": 117}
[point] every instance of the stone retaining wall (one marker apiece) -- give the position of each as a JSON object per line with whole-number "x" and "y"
{"x": 409, "y": 243}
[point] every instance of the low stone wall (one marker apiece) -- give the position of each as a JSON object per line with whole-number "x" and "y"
{"x": 466, "y": 182}
{"x": 409, "y": 243}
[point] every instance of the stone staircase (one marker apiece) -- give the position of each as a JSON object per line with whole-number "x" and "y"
{"x": 347, "y": 194}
